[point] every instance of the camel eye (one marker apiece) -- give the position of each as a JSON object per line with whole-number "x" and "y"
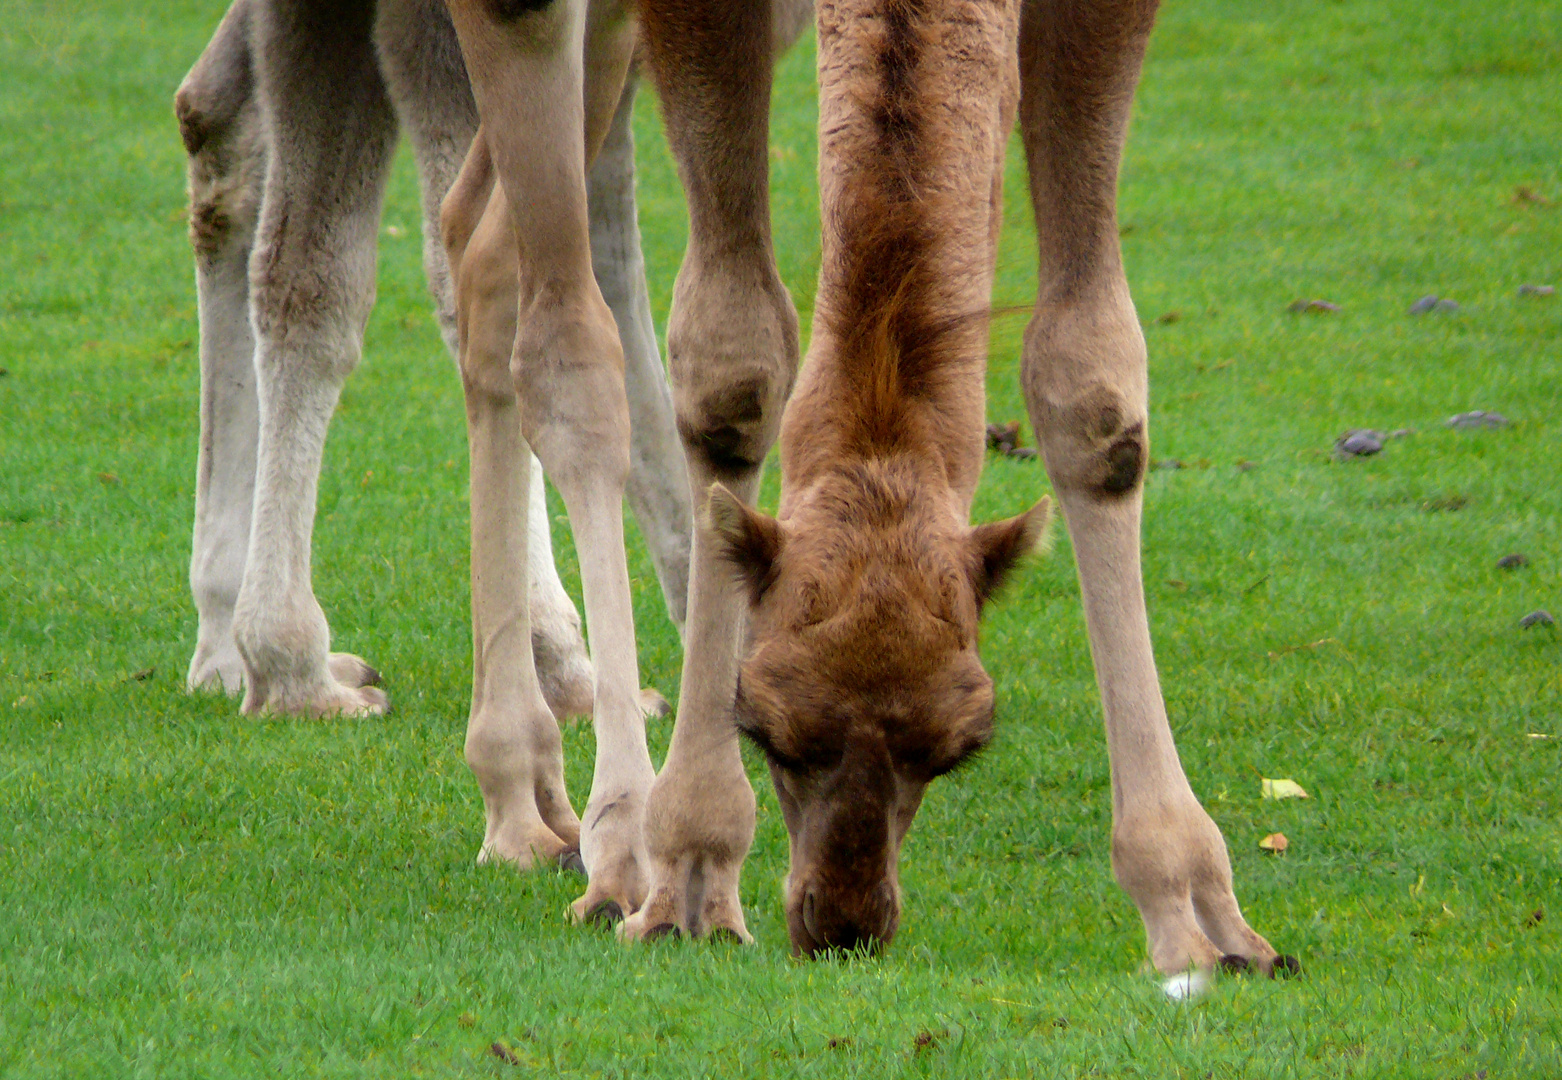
{"x": 760, "y": 737}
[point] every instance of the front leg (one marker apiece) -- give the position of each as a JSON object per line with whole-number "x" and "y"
{"x": 1086, "y": 387}
{"x": 732, "y": 350}
{"x": 546, "y": 80}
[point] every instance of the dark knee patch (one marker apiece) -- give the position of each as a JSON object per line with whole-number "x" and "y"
{"x": 1107, "y": 449}
{"x": 515, "y": 9}
{"x": 725, "y": 429}
{"x": 1124, "y": 462}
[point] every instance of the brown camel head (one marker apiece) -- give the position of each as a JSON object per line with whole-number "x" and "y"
{"x": 862, "y": 682}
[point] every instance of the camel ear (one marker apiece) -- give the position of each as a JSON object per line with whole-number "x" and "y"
{"x": 999, "y": 546}
{"x": 749, "y": 540}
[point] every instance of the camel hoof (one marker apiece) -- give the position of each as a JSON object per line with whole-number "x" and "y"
{"x": 571, "y": 862}
{"x": 607, "y": 913}
{"x": 1285, "y": 967}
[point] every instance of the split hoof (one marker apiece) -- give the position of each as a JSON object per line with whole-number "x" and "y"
{"x": 570, "y": 861}
{"x": 1285, "y": 966}
{"x": 606, "y": 914}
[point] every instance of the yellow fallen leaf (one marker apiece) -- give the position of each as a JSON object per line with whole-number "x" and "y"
{"x": 1282, "y": 789}
{"x": 1275, "y": 842}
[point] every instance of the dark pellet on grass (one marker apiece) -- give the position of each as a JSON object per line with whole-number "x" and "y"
{"x": 1476, "y": 419}
{"x": 1535, "y": 918}
{"x": 1359, "y": 442}
{"x": 504, "y": 1054}
{"x": 1429, "y": 304}
{"x": 1312, "y": 307}
{"x": 1537, "y": 618}
{"x": 1512, "y": 562}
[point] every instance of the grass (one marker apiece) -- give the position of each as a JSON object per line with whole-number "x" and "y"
{"x": 184, "y": 892}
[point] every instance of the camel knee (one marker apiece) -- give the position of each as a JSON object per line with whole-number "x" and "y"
{"x": 732, "y": 359}
{"x": 727, "y": 419}
{"x": 1086, "y": 393}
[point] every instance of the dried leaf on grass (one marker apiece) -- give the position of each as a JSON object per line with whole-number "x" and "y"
{"x": 1282, "y": 789}
{"x": 1275, "y": 842}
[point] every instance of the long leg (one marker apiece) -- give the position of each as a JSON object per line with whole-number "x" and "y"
{"x": 658, "y": 480}
{"x": 1086, "y": 388}
{"x": 219, "y": 120}
{"x": 732, "y": 347}
{"x": 546, "y": 81}
{"x": 331, "y": 132}
{"x": 512, "y": 739}
{"x": 421, "y": 61}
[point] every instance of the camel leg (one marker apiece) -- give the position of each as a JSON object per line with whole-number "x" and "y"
{"x": 219, "y": 120}
{"x": 512, "y": 739}
{"x": 658, "y": 478}
{"x": 420, "y": 58}
{"x": 732, "y": 349}
{"x": 311, "y": 275}
{"x": 1086, "y": 387}
{"x": 528, "y": 257}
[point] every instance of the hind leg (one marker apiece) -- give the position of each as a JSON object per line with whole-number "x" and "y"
{"x": 219, "y": 121}
{"x": 1086, "y": 387}
{"x": 311, "y": 276}
{"x": 658, "y": 479}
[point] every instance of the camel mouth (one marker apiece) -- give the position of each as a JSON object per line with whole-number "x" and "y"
{"x": 821, "y": 925}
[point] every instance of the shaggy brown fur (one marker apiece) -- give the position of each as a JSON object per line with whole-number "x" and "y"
{"x": 863, "y": 683}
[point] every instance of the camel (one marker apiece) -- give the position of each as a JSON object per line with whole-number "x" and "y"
{"x": 260, "y": 630}
{"x": 289, "y": 117}
{"x": 859, "y": 679}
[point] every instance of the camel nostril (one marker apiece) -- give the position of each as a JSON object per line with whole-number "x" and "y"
{"x": 810, "y": 916}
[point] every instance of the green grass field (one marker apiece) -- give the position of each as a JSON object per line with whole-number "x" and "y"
{"x": 188, "y": 893}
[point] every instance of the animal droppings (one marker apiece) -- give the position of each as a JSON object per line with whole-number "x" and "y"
{"x": 1006, "y": 440}
{"x": 1433, "y": 303}
{"x": 1537, "y": 618}
{"x": 1524, "y": 290}
{"x": 1536, "y": 917}
{"x": 1476, "y": 418}
{"x": 1312, "y": 307}
{"x": 1169, "y": 317}
{"x": 1512, "y": 562}
{"x": 504, "y": 1054}
{"x": 1358, "y": 442}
